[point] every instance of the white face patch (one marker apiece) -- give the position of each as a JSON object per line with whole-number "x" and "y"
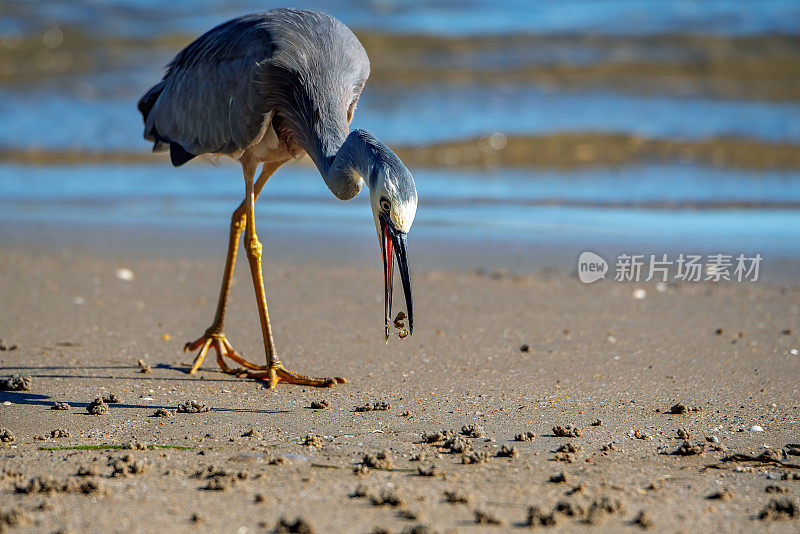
{"x": 401, "y": 211}
{"x": 403, "y": 215}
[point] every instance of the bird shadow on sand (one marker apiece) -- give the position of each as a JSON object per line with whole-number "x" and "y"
{"x": 41, "y": 372}
{"x": 35, "y": 399}
{"x": 22, "y": 397}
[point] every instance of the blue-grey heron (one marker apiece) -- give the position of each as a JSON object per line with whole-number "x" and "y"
{"x": 267, "y": 88}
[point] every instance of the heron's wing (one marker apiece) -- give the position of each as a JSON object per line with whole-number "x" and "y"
{"x": 209, "y": 100}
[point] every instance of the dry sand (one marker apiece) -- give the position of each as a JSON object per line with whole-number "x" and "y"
{"x": 594, "y": 353}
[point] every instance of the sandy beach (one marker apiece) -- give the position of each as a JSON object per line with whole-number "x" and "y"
{"x": 723, "y": 351}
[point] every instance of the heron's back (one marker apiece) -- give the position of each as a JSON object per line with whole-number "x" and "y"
{"x": 304, "y": 66}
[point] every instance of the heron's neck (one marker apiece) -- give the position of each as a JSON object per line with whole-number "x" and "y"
{"x": 347, "y": 167}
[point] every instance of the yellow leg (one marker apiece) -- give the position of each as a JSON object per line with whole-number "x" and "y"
{"x": 214, "y": 336}
{"x": 274, "y": 371}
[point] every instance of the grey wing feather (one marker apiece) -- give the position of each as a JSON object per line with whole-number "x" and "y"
{"x": 306, "y": 67}
{"x": 209, "y": 101}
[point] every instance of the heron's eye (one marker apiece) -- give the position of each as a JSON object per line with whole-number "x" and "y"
{"x": 385, "y": 206}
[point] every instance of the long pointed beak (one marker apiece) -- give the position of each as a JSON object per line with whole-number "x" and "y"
{"x": 394, "y": 240}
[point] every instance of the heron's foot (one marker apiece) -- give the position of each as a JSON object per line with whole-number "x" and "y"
{"x": 278, "y": 373}
{"x": 216, "y": 338}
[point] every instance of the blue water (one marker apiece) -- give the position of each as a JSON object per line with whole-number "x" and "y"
{"x": 142, "y": 17}
{"x": 52, "y": 120}
{"x": 223, "y": 185}
{"x": 585, "y": 204}
{"x": 468, "y": 112}
{"x": 672, "y": 205}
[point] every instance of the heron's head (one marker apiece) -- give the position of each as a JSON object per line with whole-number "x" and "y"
{"x": 393, "y": 198}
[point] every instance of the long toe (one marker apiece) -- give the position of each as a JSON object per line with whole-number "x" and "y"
{"x": 303, "y": 380}
{"x": 280, "y": 374}
{"x": 198, "y": 360}
{"x": 224, "y": 349}
{"x": 230, "y": 352}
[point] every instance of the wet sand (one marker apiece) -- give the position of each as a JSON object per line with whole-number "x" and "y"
{"x": 593, "y": 352}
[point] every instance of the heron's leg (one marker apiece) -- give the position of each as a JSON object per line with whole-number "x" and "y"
{"x": 274, "y": 371}
{"x": 214, "y": 336}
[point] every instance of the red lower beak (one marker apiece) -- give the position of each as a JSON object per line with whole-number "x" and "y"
{"x": 393, "y": 244}
{"x": 388, "y": 270}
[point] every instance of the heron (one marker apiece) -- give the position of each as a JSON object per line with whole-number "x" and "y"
{"x": 265, "y": 89}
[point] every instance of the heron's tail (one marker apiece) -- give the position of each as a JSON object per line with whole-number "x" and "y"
{"x": 177, "y": 153}
{"x": 147, "y": 102}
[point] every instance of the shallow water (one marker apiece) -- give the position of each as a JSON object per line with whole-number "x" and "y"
{"x": 52, "y": 120}
{"x": 141, "y": 17}
{"x": 591, "y": 208}
{"x": 81, "y": 93}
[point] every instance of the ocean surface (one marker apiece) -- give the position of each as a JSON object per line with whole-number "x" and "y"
{"x": 443, "y": 71}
